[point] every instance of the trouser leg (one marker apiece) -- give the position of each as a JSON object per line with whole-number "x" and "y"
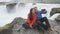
{"x": 46, "y": 21}
{"x": 43, "y": 25}
{"x": 35, "y": 25}
{"x": 26, "y": 26}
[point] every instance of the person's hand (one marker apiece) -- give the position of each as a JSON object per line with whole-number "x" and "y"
{"x": 45, "y": 11}
{"x": 30, "y": 26}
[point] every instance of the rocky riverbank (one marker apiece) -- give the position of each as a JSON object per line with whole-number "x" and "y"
{"x": 16, "y": 24}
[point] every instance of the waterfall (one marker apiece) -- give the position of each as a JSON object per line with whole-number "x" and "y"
{"x": 22, "y": 11}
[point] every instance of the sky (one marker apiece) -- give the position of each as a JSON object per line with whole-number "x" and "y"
{"x": 5, "y": 0}
{"x": 22, "y": 11}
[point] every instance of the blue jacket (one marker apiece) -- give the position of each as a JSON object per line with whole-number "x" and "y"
{"x": 39, "y": 14}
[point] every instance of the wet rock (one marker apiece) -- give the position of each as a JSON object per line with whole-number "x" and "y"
{"x": 54, "y": 11}
{"x": 57, "y": 19}
{"x": 6, "y": 29}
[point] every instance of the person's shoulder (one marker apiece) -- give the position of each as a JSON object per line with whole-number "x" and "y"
{"x": 28, "y": 14}
{"x": 38, "y": 11}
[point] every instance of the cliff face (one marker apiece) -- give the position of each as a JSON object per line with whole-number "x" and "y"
{"x": 16, "y": 24}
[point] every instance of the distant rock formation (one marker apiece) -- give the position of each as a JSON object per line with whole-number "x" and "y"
{"x": 54, "y": 11}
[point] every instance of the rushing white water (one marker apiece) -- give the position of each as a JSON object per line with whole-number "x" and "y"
{"x": 22, "y": 11}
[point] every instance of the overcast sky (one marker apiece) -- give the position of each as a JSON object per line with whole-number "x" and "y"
{"x": 5, "y": 0}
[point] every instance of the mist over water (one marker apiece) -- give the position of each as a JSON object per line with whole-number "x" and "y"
{"x": 22, "y": 11}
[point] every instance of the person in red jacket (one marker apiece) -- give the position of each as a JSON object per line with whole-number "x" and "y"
{"x": 31, "y": 20}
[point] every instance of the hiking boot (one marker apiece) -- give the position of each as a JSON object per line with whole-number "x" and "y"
{"x": 50, "y": 30}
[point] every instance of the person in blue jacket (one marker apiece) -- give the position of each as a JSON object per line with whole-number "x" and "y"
{"x": 41, "y": 19}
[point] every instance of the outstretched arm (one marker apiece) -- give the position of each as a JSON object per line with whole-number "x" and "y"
{"x": 43, "y": 12}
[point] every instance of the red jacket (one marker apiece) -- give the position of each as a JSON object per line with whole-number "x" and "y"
{"x": 31, "y": 22}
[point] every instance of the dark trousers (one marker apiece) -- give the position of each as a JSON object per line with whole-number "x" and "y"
{"x": 39, "y": 24}
{"x": 26, "y": 26}
{"x": 46, "y": 25}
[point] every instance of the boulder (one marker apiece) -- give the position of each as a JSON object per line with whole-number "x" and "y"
{"x": 54, "y": 11}
{"x": 58, "y": 19}
{"x": 18, "y": 25}
{"x": 7, "y": 29}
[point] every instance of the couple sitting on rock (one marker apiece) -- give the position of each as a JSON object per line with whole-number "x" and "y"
{"x": 35, "y": 20}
